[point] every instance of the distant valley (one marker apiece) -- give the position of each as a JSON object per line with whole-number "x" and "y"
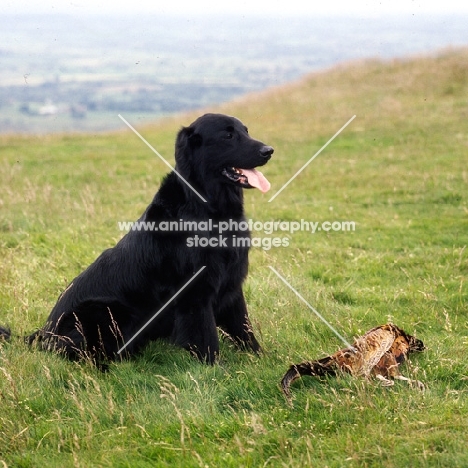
{"x": 64, "y": 74}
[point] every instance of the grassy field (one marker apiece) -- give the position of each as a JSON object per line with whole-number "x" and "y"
{"x": 399, "y": 171}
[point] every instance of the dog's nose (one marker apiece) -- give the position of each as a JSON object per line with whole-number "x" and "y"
{"x": 266, "y": 151}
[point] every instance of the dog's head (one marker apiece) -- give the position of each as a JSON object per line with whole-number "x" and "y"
{"x": 217, "y": 148}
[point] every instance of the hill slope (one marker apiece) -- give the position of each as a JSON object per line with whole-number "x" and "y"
{"x": 398, "y": 171}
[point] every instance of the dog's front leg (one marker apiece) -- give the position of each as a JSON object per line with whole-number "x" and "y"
{"x": 233, "y": 318}
{"x": 195, "y": 330}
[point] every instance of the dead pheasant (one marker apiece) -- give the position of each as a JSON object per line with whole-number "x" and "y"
{"x": 379, "y": 353}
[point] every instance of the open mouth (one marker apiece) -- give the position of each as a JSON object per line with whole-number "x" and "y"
{"x": 247, "y": 178}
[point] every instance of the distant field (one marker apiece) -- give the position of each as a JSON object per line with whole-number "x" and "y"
{"x": 399, "y": 171}
{"x": 92, "y": 67}
{"x": 94, "y": 122}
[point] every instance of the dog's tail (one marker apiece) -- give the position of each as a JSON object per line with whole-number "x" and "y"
{"x": 5, "y": 333}
{"x": 319, "y": 368}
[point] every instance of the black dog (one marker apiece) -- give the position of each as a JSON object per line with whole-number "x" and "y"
{"x": 101, "y": 313}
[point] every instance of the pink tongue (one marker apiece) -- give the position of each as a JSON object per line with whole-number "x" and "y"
{"x": 257, "y": 179}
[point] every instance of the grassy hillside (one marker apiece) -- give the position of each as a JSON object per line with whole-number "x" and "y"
{"x": 399, "y": 171}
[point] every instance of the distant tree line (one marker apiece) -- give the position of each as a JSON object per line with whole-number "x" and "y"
{"x": 81, "y": 97}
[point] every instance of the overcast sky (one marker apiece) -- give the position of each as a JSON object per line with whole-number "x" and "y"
{"x": 359, "y": 7}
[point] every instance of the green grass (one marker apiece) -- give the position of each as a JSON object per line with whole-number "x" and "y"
{"x": 399, "y": 171}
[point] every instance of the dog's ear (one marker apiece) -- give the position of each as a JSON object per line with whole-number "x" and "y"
{"x": 187, "y": 140}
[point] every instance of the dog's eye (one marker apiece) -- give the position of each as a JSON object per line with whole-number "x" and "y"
{"x": 229, "y": 132}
